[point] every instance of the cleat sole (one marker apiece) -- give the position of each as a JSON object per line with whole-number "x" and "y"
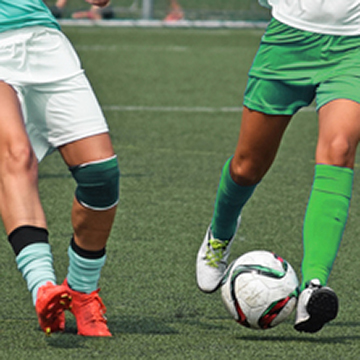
{"x": 322, "y": 307}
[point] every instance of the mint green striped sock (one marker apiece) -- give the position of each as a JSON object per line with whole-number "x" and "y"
{"x": 325, "y": 220}
{"x": 83, "y": 273}
{"x": 35, "y": 263}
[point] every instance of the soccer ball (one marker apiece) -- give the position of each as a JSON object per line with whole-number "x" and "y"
{"x": 260, "y": 289}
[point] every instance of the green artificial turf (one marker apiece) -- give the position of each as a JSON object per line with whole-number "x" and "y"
{"x": 163, "y": 92}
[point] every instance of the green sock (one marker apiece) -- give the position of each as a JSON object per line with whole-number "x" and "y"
{"x": 230, "y": 199}
{"x": 325, "y": 220}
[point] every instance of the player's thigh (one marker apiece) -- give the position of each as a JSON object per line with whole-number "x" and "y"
{"x": 13, "y": 136}
{"x": 269, "y": 105}
{"x": 339, "y": 133}
{"x": 92, "y": 148}
{"x": 259, "y": 139}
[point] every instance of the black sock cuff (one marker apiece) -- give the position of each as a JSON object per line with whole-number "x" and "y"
{"x": 26, "y": 235}
{"x": 87, "y": 254}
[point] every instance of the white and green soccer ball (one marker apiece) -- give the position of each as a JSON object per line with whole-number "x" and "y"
{"x": 260, "y": 289}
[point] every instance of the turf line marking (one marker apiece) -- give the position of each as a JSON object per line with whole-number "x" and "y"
{"x": 184, "y": 24}
{"x": 155, "y": 49}
{"x": 101, "y": 48}
{"x": 195, "y": 109}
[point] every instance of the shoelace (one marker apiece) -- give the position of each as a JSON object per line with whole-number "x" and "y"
{"x": 95, "y": 307}
{"x": 314, "y": 285}
{"x": 215, "y": 252}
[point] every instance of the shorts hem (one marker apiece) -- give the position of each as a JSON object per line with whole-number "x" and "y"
{"x": 77, "y": 137}
{"x": 323, "y": 103}
{"x": 269, "y": 111}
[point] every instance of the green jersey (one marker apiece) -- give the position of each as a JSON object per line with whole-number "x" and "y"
{"x": 16, "y": 14}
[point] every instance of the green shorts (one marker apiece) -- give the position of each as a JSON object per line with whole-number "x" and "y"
{"x": 293, "y": 67}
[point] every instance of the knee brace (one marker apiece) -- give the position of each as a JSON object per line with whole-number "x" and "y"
{"x": 97, "y": 183}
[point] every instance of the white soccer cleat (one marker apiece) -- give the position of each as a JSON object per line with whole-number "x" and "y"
{"x": 211, "y": 261}
{"x": 317, "y": 305}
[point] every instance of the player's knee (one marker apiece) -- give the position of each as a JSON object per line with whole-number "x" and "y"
{"x": 338, "y": 152}
{"x": 19, "y": 159}
{"x": 342, "y": 151}
{"x": 246, "y": 172}
{"x": 97, "y": 183}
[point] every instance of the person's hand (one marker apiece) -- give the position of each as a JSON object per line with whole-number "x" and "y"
{"x": 100, "y": 3}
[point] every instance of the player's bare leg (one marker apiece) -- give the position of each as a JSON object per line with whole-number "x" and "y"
{"x": 23, "y": 216}
{"x": 339, "y": 133}
{"x": 92, "y": 224}
{"x": 91, "y": 228}
{"x": 20, "y": 202}
{"x": 259, "y": 140}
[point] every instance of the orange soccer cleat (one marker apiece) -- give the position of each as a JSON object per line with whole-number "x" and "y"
{"x": 51, "y": 302}
{"x": 89, "y": 312}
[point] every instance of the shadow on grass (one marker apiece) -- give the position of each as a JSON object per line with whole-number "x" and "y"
{"x": 129, "y": 325}
{"x": 123, "y": 325}
{"x": 66, "y": 342}
{"x": 304, "y": 338}
{"x": 159, "y": 326}
{"x": 118, "y": 326}
{"x": 164, "y": 326}
{"x": 67, "y": 175}
{"x": 318, "y": 338}
{"x": 140, "y": 325}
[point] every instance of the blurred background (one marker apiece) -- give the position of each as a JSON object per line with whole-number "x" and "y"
{"x": 171, "y": 10}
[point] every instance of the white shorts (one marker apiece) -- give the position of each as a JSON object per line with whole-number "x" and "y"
{"x": 58, "y": 103}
